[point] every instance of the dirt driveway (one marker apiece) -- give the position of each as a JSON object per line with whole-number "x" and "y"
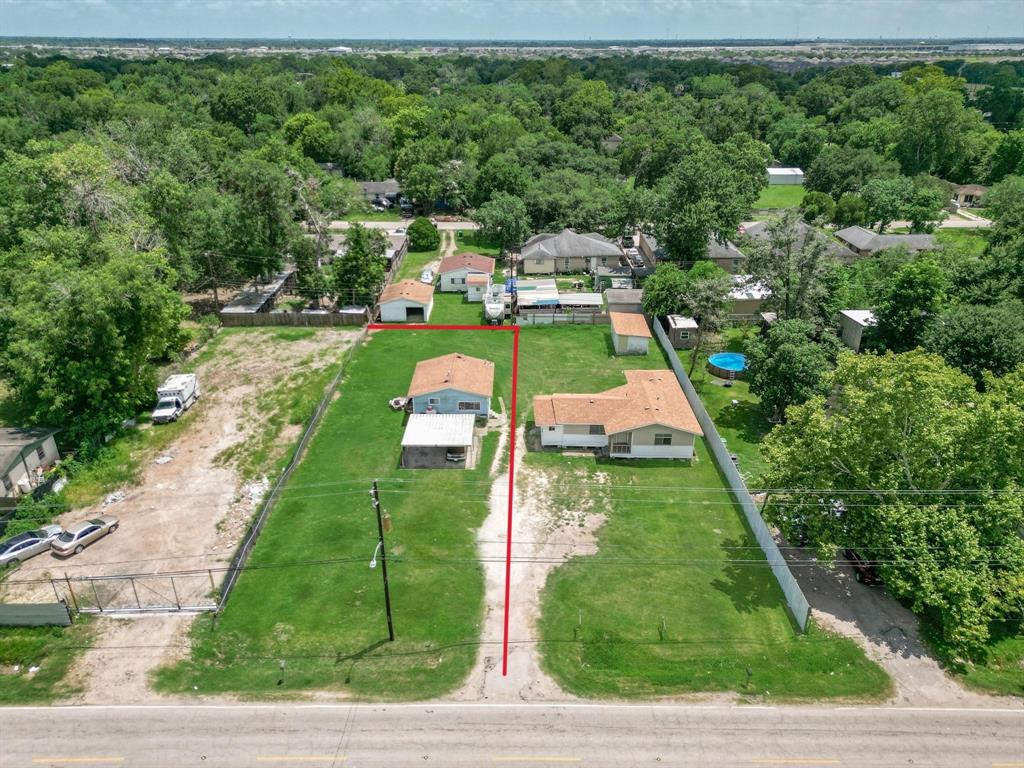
{"x": 192, "y": 504}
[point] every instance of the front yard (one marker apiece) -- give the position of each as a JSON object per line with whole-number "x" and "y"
{"x": 308, "y": 597}
{"x": 677, "y": 597}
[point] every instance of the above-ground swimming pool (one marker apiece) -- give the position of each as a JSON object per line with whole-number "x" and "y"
{"x": 728, "y": 365}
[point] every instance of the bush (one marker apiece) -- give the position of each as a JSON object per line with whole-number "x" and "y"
{"x": 423, "y": 236}
{"x": 851, "y": 210}
{"x": 30, "y": 513}
{"x": 818, "y": 206}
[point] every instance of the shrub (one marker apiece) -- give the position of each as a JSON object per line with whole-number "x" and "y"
{"x": 423, "y": 236}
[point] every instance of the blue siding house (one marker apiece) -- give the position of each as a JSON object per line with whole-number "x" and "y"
{"x": 452, "y": 383}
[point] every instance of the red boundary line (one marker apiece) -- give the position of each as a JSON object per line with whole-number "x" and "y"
{"x": 511, "y": 446}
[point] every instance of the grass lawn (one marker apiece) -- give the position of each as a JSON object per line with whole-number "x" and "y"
{"x": 565, "y": 284}
{"x": 673, "y": 548}
{"x": 327, "y": 620}
{"x": 741, "y": 426}
{"x": 471, "y": 242}
{"x": 453, "y": 309}
{"x": 52, "y": 649}
{"x": 781, "y": 196}
{"x": 371, "y": 215}
{"x": 414, "y": 263}
{"x": 1002, "y": 671}
{"x": 973, "y": 241}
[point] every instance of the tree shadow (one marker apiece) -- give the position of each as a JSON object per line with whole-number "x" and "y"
{"x": 747, "y": 419}
{"x": 746, "y": 583}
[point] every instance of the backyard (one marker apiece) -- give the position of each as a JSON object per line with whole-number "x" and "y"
{"x": 781, "y": 196}
{"x": 308, "y": 597}
{"x": 677, "y": 597}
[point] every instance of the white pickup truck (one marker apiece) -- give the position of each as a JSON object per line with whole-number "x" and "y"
{"x": 175, "y": 396}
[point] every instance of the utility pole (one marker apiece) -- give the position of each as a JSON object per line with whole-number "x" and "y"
{"x": 383, "y": 559}
{"x": 213, "y": 277}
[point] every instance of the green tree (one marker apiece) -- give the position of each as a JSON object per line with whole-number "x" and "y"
{"x": 818, "y": 207}
{"x": 501, "y": 173}
{"x": 503, "y": 220}
{"x": 886, "y": 199}
{"x": 842, "y": 170}
{"x": 979, "y": 339}
{"x": 851, "y": 210}
{"x": 706, "y": 299}
{"x": 664, "y": 291}
{"x": 423, "y": 185}
{"x": 787, "y": 365}
{"x": 358, "y": 275}
{"x": 423, "y": 235}
{"x": 908, "y": 304}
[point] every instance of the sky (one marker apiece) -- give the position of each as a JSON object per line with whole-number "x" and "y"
{"x": 513, "y": 19}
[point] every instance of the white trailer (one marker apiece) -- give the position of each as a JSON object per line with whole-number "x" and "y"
{"x": 175, "y": 396}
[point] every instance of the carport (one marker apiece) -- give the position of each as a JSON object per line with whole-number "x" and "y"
{"x": 439, "y": 441}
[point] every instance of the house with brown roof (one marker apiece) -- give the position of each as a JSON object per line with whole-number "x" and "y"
{"x": 455, "y": 271}
{"x": 630, "y": 334}
{"x": 647, "y": 418}
{"x": 453, "y": 383}
{"x": 407, "y": 301}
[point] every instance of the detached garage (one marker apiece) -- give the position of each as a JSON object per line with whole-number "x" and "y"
{"x": 438, "y": 441}
{"x": 407, "y": 301}
{"x": 630, "y": 334}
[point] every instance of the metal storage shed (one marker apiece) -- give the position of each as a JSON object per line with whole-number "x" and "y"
{"x": 438, "y": 440}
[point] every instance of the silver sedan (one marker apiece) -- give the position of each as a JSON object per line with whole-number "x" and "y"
{"x": 80, "y": 535}
{"x": 20, "y": 548}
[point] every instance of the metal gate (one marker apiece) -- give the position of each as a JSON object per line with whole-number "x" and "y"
{"x": 141, "y": 593}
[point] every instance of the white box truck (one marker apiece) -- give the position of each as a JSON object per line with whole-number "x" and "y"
{"x": 175, "y": 396}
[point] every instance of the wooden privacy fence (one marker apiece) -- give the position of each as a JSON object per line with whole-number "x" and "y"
{"x": 293, "y": 319}
{"x": 797, "y": 603}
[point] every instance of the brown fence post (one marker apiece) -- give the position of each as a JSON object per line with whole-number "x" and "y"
{"x": 138, "y": 603}
{"x": 96, "y": 595}
{"x": 71, "y": 591}
{"x": 177, "y": 600}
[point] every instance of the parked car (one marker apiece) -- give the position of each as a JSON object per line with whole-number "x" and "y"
{"x": 865, "y": 571}
{"x": 427, "y": 276}
{"x": 20, "y": 548}
{"x": 627, "y": 241}
{"x": 80, "y": 535}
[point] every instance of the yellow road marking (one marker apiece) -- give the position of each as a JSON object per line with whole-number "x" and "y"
{"x": 535, "y": 759}
{"x": 77, "y": 759}
{"x": 795, "y": 761}
{"x": 297, "y": 758}
{"x": 1008, "y": 765}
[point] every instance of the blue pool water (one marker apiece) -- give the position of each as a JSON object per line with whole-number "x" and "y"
{"x": 729, "y": 361}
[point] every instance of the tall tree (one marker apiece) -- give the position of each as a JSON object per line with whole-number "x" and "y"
{"x": 908, "y": 304}
{"x": 358, "y": 276}
{"x": 504, "y": 220}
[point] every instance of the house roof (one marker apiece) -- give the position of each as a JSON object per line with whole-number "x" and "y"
{"x": 785, "y": 172}
{"x": 648, "y": 397}
{"x": 726, "y": 250}
{"x": 624, "y": 295}
{"x": 408, "y": 290}
{"x": 471, "y": 261}
{"x": 972, "y": 189}
{"x": 866, "y": 240}
{"x": 439, "y": 430}
{"x": 759, "y": 231}
{"x": 629, "y": 324}
{"x": 386, "y": 187}
{"x": 477, "y": 279}
{"x": 14, "y": 441}
{"x": 568, "y": 243}
{"x": 453, "y": 371}
{"x": 863, "y": 317}
{"x": 744, "y": 287}
{"x": 682, "y": 322}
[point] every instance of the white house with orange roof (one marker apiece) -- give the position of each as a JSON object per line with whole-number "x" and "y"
{"x": 630, "y": 334}
{"x": 453, "y": 383}
{"x": 455, "y": 272}
{"x": 647, "y": 418}
{"x": 407, "y": 301}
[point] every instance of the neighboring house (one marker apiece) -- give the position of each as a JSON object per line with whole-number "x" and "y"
{"x": 758, "y": 231}
{"x": 536, "y": 295}
{"x": 24, "y": 455}
{"x": 625, "y": 299}
{"x": 398, "y": 246}
{"x": 612, "y": 276}
{"x": 969, "y": 195}
{"x": 379, "y": 191}
{"x": 777, "y": 176}
{"x": 454, "y": 270}
{"x": 567, "y": 251}
{"x": 852, "y": 324}
{"x": 682, "y": 331}
{"x": 864, "y": 242}
{"x": 407, "y": 301}
{"x": 452, "y": 383}
{"x": 611, "y": 143}
{"x": 747, "y": 297}
{"x": 649, "y": 249}
{"x": 630, "y": 334}
{"x": 648, "y": 417}
{"x": 726, "y": 255}
{"x": 438, "y": 441}
{"x": 260, "y": 298}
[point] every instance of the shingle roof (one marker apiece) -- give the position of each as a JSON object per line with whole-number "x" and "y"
{"x": 568, "y": 243}
{"x": 629, "y": 324}
{"x": 473, "y": 261}
{"x": 648, "y": 397}
{"x": 386, "y": 187}
{"x": 408, "y": 290}
{"x": 726, "y": 250}
{"x": 453, "y": 371}
{"x": 759, "y": 231}
{"x": 15, "y": 440}
{"x": 624, "y": 295}
{"x": 866, "y": 240}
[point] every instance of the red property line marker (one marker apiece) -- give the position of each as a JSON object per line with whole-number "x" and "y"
{"x": 511, "y": 447}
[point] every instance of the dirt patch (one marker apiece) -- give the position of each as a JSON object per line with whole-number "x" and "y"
{"x": 190, "y": 507}
{"x": 544, "y": 533}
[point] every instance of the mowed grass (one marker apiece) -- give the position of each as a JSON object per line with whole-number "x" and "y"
{"x": 742, "y": 425}
{"x": 678, "y": 598}
{"x": 1003, "y": 670}
{"x": 414, "y": 263}
{"x": 781, "y": 196}
{"x": 453, "y": 309}
{"x": 51, "y": 649}
{"x": 472, "y": 242}
{"x": 309, "y": 597}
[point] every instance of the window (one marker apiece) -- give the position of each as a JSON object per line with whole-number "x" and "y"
{"x": 40, "y": 452}
{"x": 468, "y": 406}
{"x": 662, "y": 439}
{"x": 597, "y": 429}
{"x": 551, "y": 429}
{"x": 684, "y": 334}
{"x": 8, "y": 485}
{"x": 433, "y": 401}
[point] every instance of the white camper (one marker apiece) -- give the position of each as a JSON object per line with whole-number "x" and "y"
{"x": 175, "y": 396}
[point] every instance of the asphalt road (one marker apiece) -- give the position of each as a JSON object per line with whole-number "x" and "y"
{"x": 497, "y": 735}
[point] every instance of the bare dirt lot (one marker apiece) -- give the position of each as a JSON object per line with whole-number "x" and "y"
{"x": 193, "y": 502}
